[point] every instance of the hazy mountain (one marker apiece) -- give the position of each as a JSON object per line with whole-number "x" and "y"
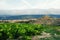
{"x": 25, "y": 17}
{"x": 30, "y": 12}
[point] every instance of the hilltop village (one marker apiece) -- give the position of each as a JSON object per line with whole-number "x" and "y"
{"x": 43, "y": 20}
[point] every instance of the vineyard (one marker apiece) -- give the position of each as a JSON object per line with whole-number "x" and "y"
{"x": 23, "y": 31}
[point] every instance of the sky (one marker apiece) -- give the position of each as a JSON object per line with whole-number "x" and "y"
{"x": 29, "y": 4}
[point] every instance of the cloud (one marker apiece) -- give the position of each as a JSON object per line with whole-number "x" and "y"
{"x": 48, "y": 4}
{"x": 7, "y": 5}
{"x": 29, "y": 4}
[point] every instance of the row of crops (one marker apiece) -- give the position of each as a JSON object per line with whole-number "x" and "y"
{"x": 23, "y": 31}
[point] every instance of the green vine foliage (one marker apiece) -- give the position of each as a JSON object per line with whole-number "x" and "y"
{"x": 16, "y": 30}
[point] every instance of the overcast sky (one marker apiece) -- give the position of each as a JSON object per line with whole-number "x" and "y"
{"x": 29, "y": 4}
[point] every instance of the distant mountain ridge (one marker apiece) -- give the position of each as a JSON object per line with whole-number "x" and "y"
{"x": 30, "y": 12}
{"x": 16, "y": 17}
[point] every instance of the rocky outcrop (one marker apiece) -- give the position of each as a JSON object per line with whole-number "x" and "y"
{"x": 45, "y": 20}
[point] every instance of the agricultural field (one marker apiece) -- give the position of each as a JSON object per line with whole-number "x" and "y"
{"x": 28, "y": 31}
